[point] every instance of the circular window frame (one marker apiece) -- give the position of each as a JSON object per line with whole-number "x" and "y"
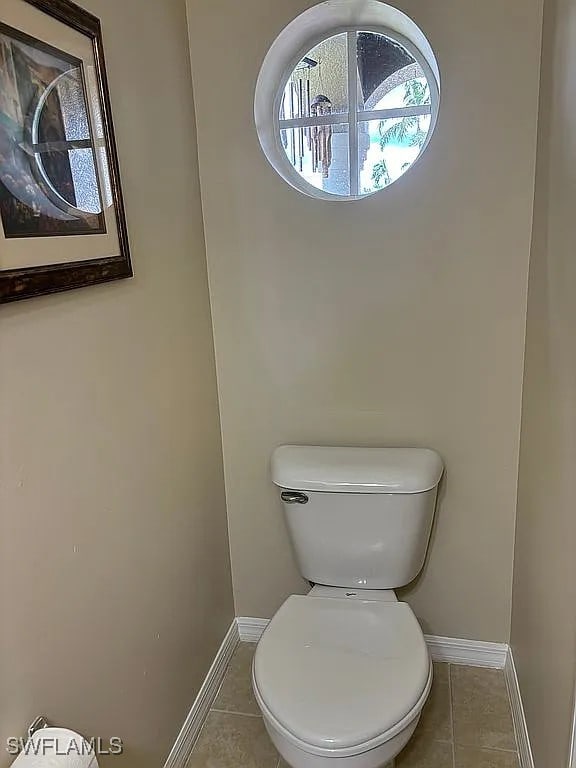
{"x": 282, "y": 58}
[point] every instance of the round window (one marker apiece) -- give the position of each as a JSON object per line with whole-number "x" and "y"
{"x": 346, "y": 114}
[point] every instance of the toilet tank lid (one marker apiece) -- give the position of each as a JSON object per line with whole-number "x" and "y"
{"x": 356, "y": 470}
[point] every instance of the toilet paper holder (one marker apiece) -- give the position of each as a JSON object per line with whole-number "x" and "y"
{"x": 37, "y": 724}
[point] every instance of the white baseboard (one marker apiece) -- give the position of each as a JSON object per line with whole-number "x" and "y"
{"x": 572, "y": 758}
{"x": 182, "y": 748}
{"x": 449, "y": 649}
{"x": 251, "y": 630}
{"x": 474, "y": 653}
{"x": 520, "y": 726}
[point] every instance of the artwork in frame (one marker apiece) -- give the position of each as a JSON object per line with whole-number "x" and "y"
{"x": 62, "y": 220}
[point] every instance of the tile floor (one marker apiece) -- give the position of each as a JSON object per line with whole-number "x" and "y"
{"x": 466, "y": 723}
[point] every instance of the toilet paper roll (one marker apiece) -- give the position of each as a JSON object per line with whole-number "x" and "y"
{"x": 56, "y": 748}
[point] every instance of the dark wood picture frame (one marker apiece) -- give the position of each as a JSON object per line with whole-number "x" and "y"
{"x": 16, "y": 284}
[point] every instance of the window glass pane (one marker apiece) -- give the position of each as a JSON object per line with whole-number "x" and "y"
{"x": 319, "y": 83}
{"x": 387, "y": 148}
{"x": 383, "y": 65}
{"x": 414, "y": 92}
{"x": 320, "y": 154}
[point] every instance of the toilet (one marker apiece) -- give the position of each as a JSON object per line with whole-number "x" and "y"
{"x": 341, "y": 674}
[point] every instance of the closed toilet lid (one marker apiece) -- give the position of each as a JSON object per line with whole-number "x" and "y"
{"x": 341, "y": 673}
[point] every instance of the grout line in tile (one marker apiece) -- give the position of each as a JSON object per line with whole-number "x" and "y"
{"x": 457, "y": 743}
{"x": 452, "y": 742}
{"x": 451, "y": 715}
{"x": 488, "y": 749}
{"x": 231, "y": 712}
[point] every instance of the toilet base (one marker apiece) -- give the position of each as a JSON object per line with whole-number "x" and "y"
{"x": 378, "y": 757}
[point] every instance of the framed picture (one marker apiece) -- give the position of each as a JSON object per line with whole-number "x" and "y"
{"x": 62, "y": 220}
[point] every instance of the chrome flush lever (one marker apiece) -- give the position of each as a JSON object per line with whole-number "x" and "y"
{"x": 39, "y": 723}
{"x": 294, "y": 497}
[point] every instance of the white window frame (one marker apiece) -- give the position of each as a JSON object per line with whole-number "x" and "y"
{"x": 320, "y": 22}
{"x": 353, "y": 116}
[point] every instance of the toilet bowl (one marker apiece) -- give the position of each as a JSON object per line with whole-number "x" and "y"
{"x": 342, "y": 674}
{"x": 341, "y": 677}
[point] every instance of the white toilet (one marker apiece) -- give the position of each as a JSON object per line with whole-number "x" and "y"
{"x": 344, "y": 672}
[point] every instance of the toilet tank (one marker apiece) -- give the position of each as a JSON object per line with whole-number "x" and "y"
{"x": 358, "y": 517}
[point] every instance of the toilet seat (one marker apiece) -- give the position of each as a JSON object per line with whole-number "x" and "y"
{"x": 338, "y": 677}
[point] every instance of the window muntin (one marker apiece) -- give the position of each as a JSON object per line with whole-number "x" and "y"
{"x": 369, "y": 85}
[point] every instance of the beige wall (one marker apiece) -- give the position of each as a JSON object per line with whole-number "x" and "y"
{"x": 396, "y": 320}
{"x": 114, "y": 562}
{"x": 544, "y": 597}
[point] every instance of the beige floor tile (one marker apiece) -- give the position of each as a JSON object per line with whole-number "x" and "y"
{"x": 231, "y": 741}
{"x": 481, "y": 709}
{"x": 441, "y": 672}
{"x": 435, "y": 719}
{"x": 481, "y": 723}
{"x": 423, "y": 752}
{"x": 472, "y": 757}
{"x": 236, "y": 693}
